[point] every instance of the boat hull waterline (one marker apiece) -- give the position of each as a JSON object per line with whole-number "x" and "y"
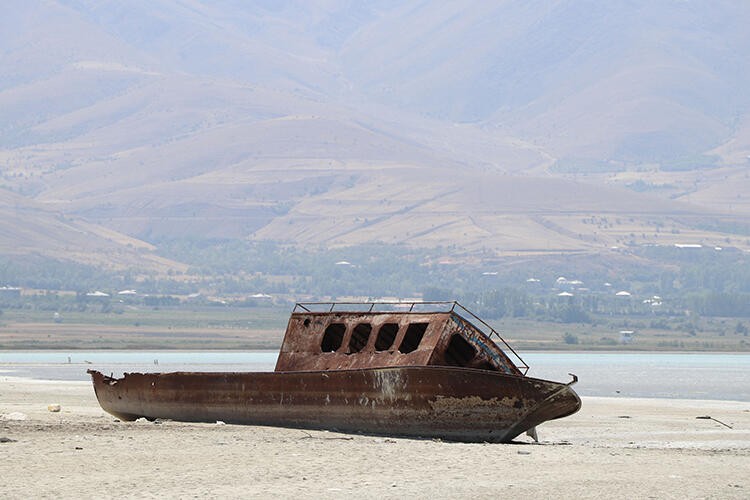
{"x": 449, "y": 403}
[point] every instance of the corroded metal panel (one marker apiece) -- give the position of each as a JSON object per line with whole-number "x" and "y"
{"x": 447, "y": 403}
{"x": 301, "y": 349}
{"x": 426, "y": 374}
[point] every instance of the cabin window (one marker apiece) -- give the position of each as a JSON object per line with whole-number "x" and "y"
{"x": 333, "y": 337}
{"x": 412, "y": 337}
{"x": 359, "y": 338}
{"x": 459, "y": 352}
{"x": 386, "y": 336}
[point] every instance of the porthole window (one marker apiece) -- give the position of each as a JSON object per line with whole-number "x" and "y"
{"x": 359, "y": 338}
{"x": 412, "y": 337}
{"x": 386, "y": 336}
{"x": 333, "y": 337}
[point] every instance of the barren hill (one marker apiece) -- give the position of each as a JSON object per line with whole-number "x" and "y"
{"x": 514, "y": 128}
{"x": 29, "y": 228}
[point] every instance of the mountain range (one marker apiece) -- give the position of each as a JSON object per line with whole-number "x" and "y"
{"x": 514, "y": 128}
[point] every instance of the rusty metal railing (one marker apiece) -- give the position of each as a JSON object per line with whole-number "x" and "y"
{"x": 490, "y": 332}
{"x": 376, "y": 306}
{"x": 425, "y": 307}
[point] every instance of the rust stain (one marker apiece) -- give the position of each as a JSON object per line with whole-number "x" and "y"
{"x": 400, "y": 372}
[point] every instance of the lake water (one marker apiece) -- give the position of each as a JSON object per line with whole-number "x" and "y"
{"x": 638, "y": 374}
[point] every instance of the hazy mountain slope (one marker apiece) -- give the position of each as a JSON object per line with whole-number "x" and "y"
{"x": 27, "y": 228}
{"x": 186, "y": 128}
{"x": 253, "y": 42}
{"x": 631, "y": 80}
{"x": 478, "y": 211}
{"x": 736, "y": 150}
{"x": 338, "y": 122}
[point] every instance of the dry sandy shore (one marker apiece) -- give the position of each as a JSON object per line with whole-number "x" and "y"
{"x": 613, "y": 448}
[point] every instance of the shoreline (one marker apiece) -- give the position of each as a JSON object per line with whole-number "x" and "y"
{"x": 5, "y": 378}
{"x": 704, "y": 376}
{"x": 10, "y": 379}
{"x": 613, "y": 447}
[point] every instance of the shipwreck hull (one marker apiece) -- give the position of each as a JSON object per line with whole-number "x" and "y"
{"x": 459, "y": 404}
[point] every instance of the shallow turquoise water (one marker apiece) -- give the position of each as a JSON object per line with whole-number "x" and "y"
{"x": 649, "y": 374}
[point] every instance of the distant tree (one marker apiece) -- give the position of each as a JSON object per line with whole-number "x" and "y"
{"x": 740, "y": 328}
{"x": 569, "y": 338}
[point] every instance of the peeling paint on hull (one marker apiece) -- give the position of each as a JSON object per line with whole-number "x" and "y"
{"x": 406, "y": 372}
{"x": 460, "y": 404}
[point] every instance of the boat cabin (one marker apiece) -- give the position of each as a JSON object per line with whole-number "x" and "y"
{"x": 337, "y": 336}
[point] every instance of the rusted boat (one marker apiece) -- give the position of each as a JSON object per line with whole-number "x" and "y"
{"x": 423, "y": 369}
